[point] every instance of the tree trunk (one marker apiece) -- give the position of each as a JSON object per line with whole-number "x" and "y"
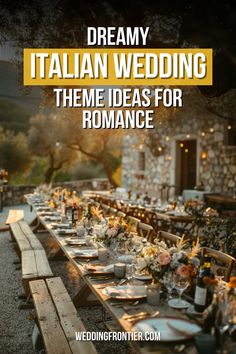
{"x": 48, "y": 175}
{"x": 109, "y": 172}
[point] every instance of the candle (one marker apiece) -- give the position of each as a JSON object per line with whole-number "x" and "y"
{"x": 119, "y": 270}
{"x": 153, "y": 294}
{"x": 80, "y": 230}
{"x": 102, "y": 254}
{"x": 88, "y": 240}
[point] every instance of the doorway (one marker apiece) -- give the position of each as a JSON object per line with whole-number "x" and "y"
{"x": 186, "y": 165}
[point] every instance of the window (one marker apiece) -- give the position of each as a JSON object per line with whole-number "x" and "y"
{"x": 141, "y": 161}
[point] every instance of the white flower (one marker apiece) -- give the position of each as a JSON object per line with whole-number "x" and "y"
{"x": 195, "y": 261}
{"x": 172, "y": 250}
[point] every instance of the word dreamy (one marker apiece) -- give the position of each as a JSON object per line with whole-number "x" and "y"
{"x": 117, "y": 67}
{"x": 117, "y": 36}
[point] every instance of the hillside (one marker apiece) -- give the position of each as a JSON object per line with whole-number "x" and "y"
{"x": 16, "y": 107}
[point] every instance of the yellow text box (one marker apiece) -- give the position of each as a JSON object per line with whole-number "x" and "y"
{"x": 141, "y": 67}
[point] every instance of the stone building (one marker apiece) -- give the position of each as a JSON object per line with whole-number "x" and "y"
{"x": 193, "y": 145}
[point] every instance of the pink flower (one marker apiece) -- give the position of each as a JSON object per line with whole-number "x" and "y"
{"x": 164, "y": 258}
{"x": 183, "y": 271}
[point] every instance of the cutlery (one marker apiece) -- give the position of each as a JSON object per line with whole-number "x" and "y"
{"x": 144, "y": 315}
{"x": 128, "y": 317}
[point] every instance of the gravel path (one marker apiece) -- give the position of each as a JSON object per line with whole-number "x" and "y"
{"x": 15, "y": 325}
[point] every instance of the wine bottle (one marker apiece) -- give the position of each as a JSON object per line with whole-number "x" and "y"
{"x": 75, "y": 214}
{"x": 89, "y": 213}
{"x": 68, "y": 212}
{"x": 203, "y": 297}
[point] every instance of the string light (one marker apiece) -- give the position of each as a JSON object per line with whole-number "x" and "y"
{"x": 229, "y": 127}
{"x": 188, "y": 136}
{"x": 181, "y": 145}
{"x": 167, "y": 138}
{"x": 211, "y": 130}
{"x": 186, "y": 150}
{"x": 203, "y": 133}
{"x": 203, "y": 155}
{"x": 160, "y": 148}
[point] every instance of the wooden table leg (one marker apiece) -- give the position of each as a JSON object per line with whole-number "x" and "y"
{"x": 85, "y": 297}
{"x": 56, "y": 254}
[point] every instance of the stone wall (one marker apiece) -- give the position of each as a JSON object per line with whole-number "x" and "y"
{"x": 14, "y": 195}
{"x": 216, "y": 162}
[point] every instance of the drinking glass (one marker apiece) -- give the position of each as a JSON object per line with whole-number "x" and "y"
{"x": 130, "y": 269}
{"x": 180, "y": 284}
{"x": 169, "y": 283}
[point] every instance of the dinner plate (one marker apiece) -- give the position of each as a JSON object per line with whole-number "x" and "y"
{"x": 99, "y": 270}
{"x": 124, "y": 292}
{"x": 86, "y": 253}
{"x": 178, "y": 304}
{"x": 52, "y": 218}
{"x": 176, "y": 213}
{"x": 65, "y": 231}
{"x": 57, "y": 225}
{"x": 47, "y": 213}
{"x": 42, "y": 207}
{"x": 74, "y": 242}
{"x": 142, "y": 277}
{"x": 171, "y": 329}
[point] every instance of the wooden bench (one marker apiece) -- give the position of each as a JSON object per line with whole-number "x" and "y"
{"x": 4, "y": 227}
{"x": 57, "y": 318}
{"x": 14, "y": 215}
{"x": 24, "y": 237}
{"x": 34, "y": 265}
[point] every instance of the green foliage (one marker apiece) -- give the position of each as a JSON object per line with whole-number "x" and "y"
{"x": 220, "y": 233}
{"x": 36, "y": 174}
{"x": 13, "y": 116}
{"x": 14, "y": 154}
{"x": 87, "y": 170}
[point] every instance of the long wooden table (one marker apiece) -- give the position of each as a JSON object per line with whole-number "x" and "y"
{"x": 91, "y": 286}
{"x": 186, "y": 221}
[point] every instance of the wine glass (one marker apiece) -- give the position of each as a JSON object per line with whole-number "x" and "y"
{"x": 180, "y": 284}
{"x": 137, "y": 245}
{"x": 169, "y": 283}
{"x": 130, "y": 269}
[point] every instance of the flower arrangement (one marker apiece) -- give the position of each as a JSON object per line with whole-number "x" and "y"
{"x": 194, "y": 207}
{"x": 115, "y": 230}
{"x": 45, "y": 190}
{"x": 159, "y": 259}
{"x": 232, "y": 283}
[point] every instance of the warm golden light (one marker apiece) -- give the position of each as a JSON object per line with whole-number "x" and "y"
{"x": 181, "y": 145}
{"x": 186, "y": 150}
{"x": 204, "y": 155}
